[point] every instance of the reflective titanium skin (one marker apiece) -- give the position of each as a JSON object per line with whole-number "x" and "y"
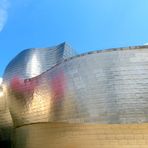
{"x": 109, "y": 86}
{"x": 5, "y": 120}
{"x": 32, "y": 62}
{"x": 27, "y": 64}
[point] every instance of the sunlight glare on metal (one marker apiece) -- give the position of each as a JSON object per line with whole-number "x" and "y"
{"x": 1, "y": 80}
{"x": 1, "y": 90}
{"x": 33, "y": 67}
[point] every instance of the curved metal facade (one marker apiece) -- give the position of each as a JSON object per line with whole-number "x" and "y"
{"x": 5, "y": 121}
{"x": 32, "y": 62}
{"x": 100, "y": 87}
{"x": 27, "y": 64}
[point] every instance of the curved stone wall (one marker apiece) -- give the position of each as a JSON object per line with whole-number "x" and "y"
{"x": 99, "y": 87}
{"x": 63, "y": 135}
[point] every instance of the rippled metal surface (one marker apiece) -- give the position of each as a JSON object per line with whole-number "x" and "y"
{"x": 100, "y": 87}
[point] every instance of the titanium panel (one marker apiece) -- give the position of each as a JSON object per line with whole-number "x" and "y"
{"x": 5, "y": 121}
{"x": 98, "y": 87}
{"x": 27, "y": 64}
{"x": 32, "y": 62}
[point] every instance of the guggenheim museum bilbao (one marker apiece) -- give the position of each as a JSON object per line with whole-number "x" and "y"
{"x": 54, "y": 98}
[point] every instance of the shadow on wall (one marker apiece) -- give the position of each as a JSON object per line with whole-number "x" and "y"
{"x": 5, "y": 144}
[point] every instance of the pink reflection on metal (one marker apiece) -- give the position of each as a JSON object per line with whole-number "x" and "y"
{"x": 19, "y": 85}
{"x": 58, "y": 86}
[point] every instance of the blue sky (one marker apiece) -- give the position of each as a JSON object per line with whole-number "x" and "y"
{"x": 85, "y": 24}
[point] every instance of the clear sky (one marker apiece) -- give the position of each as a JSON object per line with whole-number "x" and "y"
{"x": 85, "y": 24}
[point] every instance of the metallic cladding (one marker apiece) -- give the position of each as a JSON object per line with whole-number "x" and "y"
{"x": 5, "y": 120}
{"x": 98, "y": 87}
{"x": 27, "y": 64}
{"x": 32, "y": 62}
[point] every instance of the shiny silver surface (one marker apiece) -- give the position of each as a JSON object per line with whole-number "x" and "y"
{"x": 108, "y": 86}
{"x": 32, "y": 62}
{"x": 27, "y": 64}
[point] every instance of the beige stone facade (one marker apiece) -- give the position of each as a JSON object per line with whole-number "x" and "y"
{"x": 60, "y": 135}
